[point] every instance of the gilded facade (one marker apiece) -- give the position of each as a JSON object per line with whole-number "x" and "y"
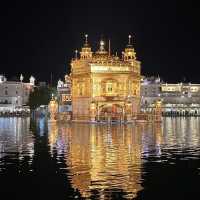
{"x": 105, "y": 86}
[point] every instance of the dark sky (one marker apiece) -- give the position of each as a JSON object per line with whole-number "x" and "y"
{"x": 36, "y": 36}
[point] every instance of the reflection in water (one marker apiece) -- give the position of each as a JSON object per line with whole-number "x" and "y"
{"x": 100, "y": 162}
{"x": 102, "y": 159}
{"x": 108, "y": 160}
{"x": 15, "y": 137}
{"x": 181, "y": 133}
{"x": 41, "y": 125}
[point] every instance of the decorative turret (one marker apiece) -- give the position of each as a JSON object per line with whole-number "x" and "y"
{"x": 21, "y": 78}
{"x": 32, "y": 81}
{"x": 129, "y": 53}
{"x": 2, "y": 78}
{"x": 68, "y": 82}
{"x": 102, "y": 48}
{"x": 86, "y": 51}
{"x": 67, "y": 79}
{"x": 60, "y": 84}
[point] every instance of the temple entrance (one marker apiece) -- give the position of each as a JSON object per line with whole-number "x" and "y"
{"x": 112, "y": 113}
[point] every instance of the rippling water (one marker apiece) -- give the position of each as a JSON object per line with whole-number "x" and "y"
{"x": 42, "y": 160}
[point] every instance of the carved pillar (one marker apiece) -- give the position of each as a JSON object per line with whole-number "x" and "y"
{"x": 98, "y": 113}
{"x": 158, "y": 110}
{"x": 128, "y": 111}
{"x": 93, "y": 112}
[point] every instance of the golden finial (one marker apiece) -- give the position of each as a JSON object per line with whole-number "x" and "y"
{"x": 86, "y": 38}
{"x": 129, "y": 39}
{"x": 122, "y": 54}
{"x": 109, "y": 51}
{"x": 76, "y": 54}
{"x": 102, "y": 45}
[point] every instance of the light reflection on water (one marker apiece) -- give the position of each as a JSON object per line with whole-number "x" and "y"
{"x": 15, "y": 136}
{"x": 100, "y": 158}
{"x": 107, "y": 159}
{"x": 99, "y": 161}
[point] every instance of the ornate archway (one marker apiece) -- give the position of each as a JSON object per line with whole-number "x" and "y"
{"x": 112, "y": 111}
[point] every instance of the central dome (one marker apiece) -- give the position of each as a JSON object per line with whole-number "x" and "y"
{"x": 102, "y": 48}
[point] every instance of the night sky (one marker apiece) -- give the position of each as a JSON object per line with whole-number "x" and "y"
{"x": 36, "y": 36}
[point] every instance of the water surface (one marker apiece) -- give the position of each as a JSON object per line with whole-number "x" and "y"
{"x": 41, "y": 160}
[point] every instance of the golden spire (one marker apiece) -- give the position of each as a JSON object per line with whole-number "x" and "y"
{"x": 76, "y": 54}
{"x": 109, "y": 51}
{"x": 86, "y": 41}
{"x": 86, "y": 49}
{"x": 86, "y": 44}
{"x": 129, "y": 53}
{"x": 102, "y": 43}
{"x": 129, "y": 41}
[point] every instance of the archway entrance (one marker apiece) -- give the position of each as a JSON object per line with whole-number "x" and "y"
{"x": 113, "y": 112}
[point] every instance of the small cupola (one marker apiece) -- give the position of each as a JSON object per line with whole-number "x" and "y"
{"x": 129, "y": 53}
{"x": 86, "y": 51}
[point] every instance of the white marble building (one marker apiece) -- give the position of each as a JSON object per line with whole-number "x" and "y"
{"x": 64, "y": 94}
{"x": 14, "y": 94}
{"x": 178, "y": 98}
{"x": 150, "y": 90}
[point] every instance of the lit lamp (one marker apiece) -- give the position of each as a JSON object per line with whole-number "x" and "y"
{"x": 53, "y": 108}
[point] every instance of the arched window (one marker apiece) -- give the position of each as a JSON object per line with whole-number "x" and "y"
{"x": 109, "y": 87}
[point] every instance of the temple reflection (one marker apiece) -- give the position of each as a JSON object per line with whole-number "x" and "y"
{"x": 106, "y": 160}
{"x": 101, "y": 159}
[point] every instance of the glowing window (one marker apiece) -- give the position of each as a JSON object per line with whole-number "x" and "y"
{"x": 109, "y": 87}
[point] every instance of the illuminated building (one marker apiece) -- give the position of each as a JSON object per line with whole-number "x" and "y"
{"x": 64, "y": 94}
{"x": 14, "y": 94}
{"x": 105, "y": 86}
{"x": 177, "y": 99}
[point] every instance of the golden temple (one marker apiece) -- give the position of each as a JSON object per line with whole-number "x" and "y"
{"x": 104, "y": 86}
